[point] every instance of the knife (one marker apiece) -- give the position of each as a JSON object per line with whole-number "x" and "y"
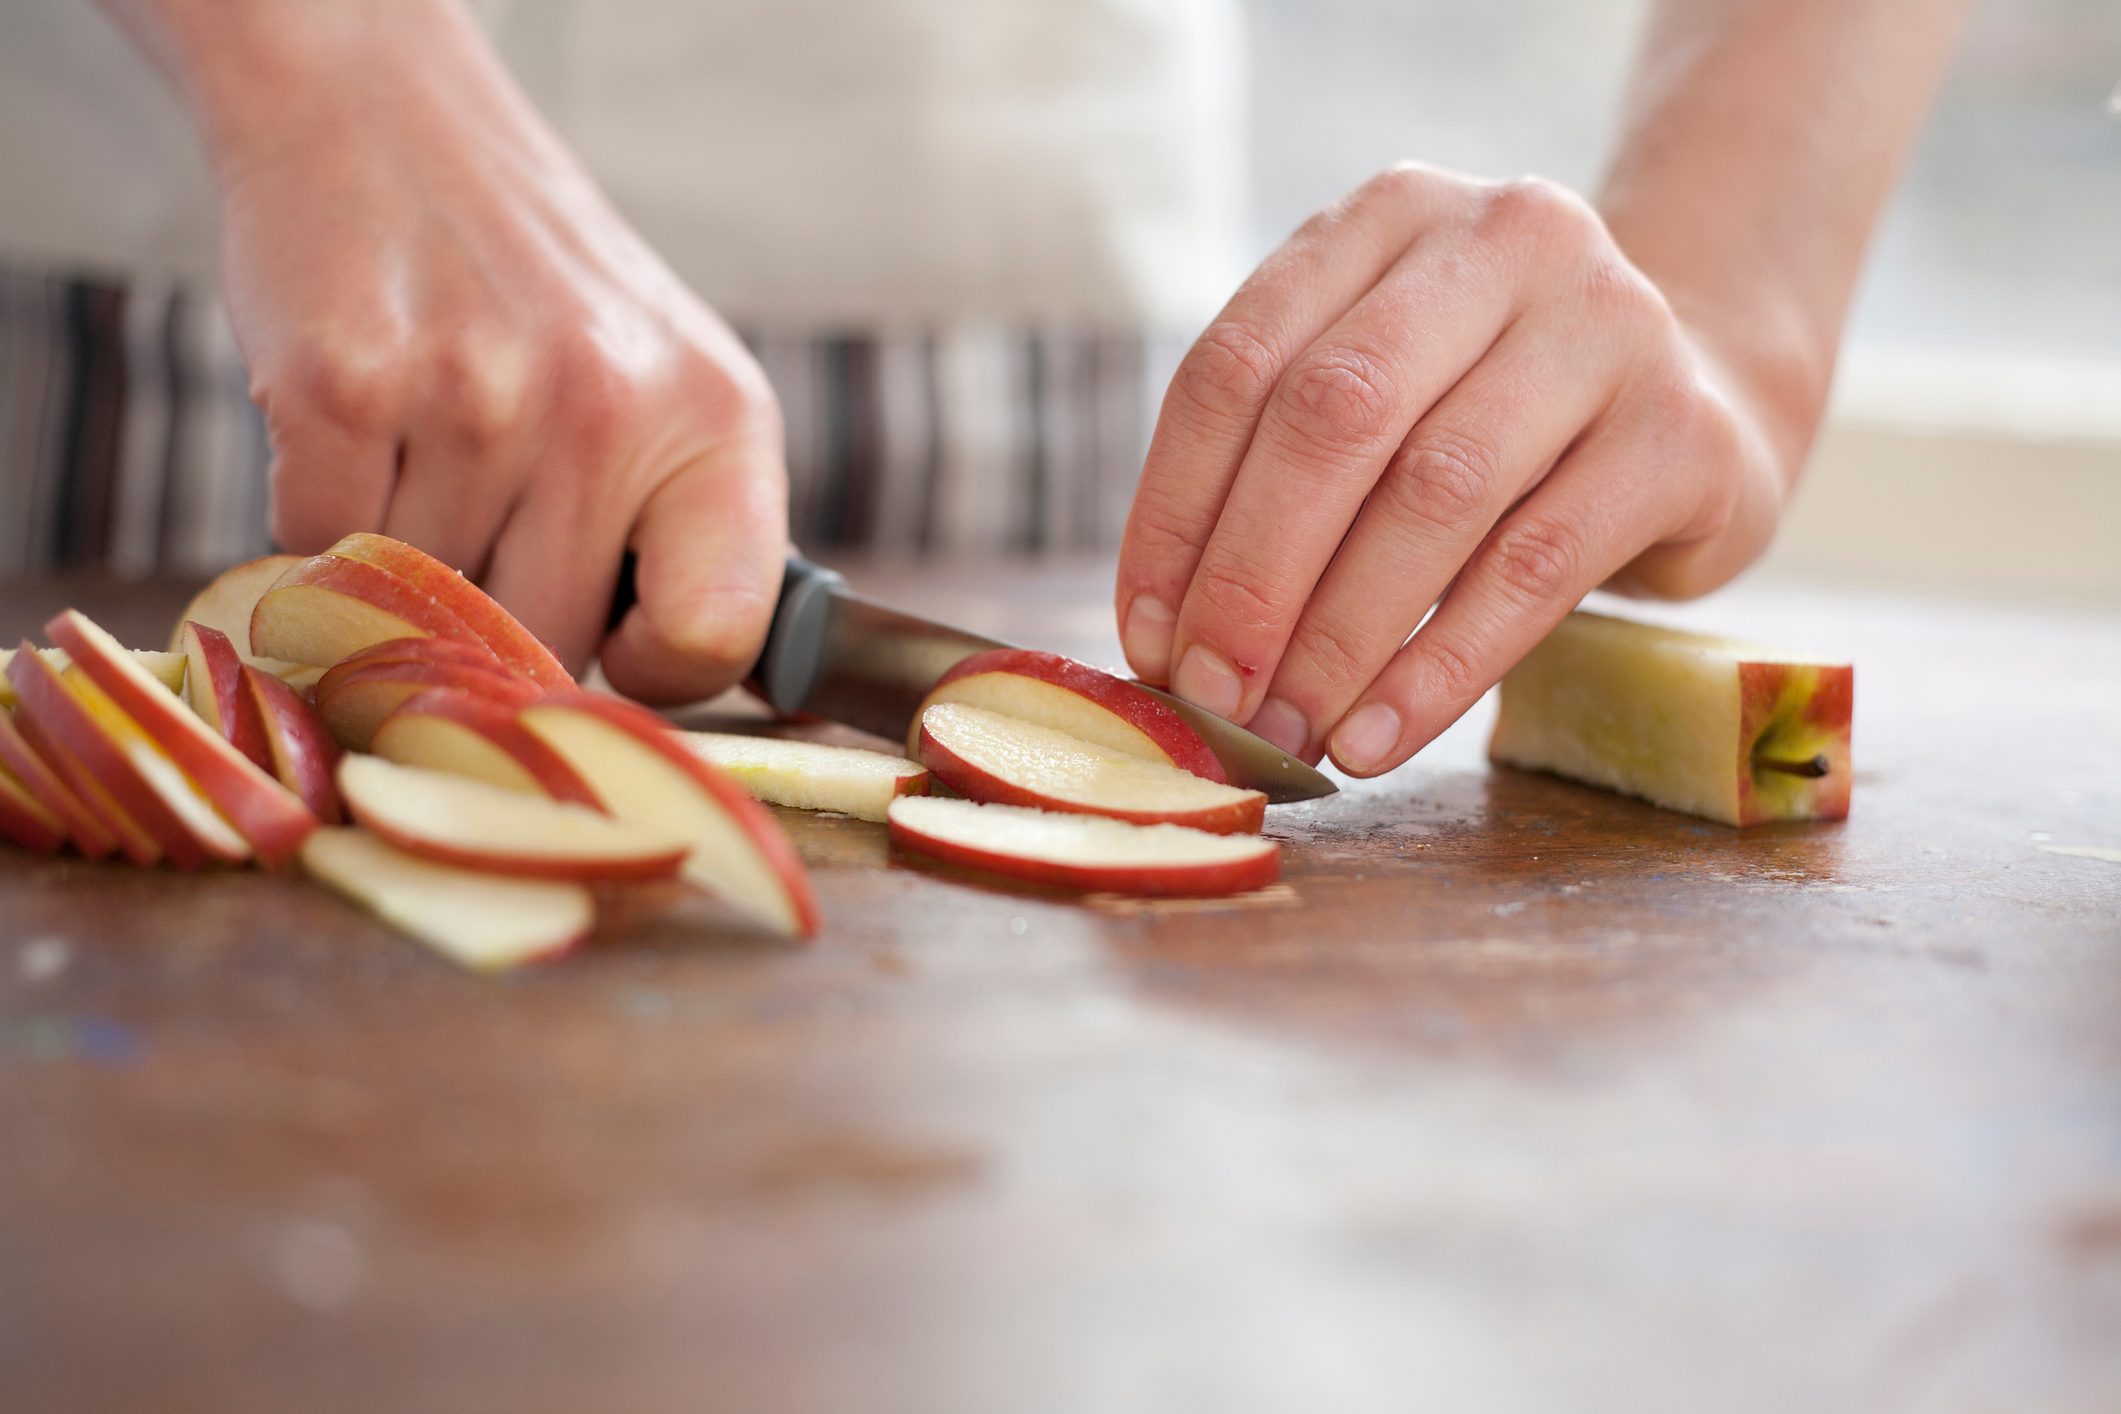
{"x": 835, "y": 654}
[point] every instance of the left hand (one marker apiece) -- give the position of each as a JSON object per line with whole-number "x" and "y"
{"x": 1438, "y": 390}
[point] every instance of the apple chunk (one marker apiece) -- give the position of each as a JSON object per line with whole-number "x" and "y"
{"x": 516, "y": 646}
{"x": 985, "y": 756}
{"x": 358, "y": 696}
{"x": 303, "y": 755}
{"x": 325, "y": 609}
{"x": 634, "y": 762}
{"x": 448, "y": 729}
{"x": 83, "y": 826}
{"x": 213, "y": 683}
{"x": 481, "y": 921}
{"x": 807, "y": 776}
{"x": 1085, "y": 702}
{"x": 270, "y": 817}
{"x": 1691, "y": 722}
{"x": 1084, "y": 851}
{"x": 456, "y": 820}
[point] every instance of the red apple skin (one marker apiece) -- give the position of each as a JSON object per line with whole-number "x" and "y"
{"x": 304, "y": 756}
{"x": 227, "y": 600}
{"x": 286, "y": 624}
{"x": 355, "y": 699}
{"x": 1826, "y": 708}
{"x": 1168, "y": 731}
{"x": 263, "y": 811}
{"x": 131, "y": 841}
{"x": 1240, "y": 817}
{"x": 84, "y": 827}
{"x": 495, "y": 723}
{"x": 516, "y": 646}
{"x": 25, "y": 821}
{"x": 214, "y": 683}
{"x": 428, "y": 650}
{"x": 1147, "y": 881}
{"x": 54, "y": 712}
{"x": 754, "y": 819}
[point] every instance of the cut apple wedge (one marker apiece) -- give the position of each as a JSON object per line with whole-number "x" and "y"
{"x": 806, "y": 776}
{"x": 213, "y": 684}
{"x": 327, "y": 608}
{"x": 84, "y": 826}
{"x": 356, "y": 698}
{"x": 639, "y": 770}
{"x": 26, "y": 821}
{"x": 447, "y": 729}
{"x": 427, "y": 650}
{"x": 983, "y": 755}
{"x": 267, "y": 814}
{"x": 456, "y": 820}
{"x": 165, "y": 668}
{"x": 1694, "y": 723}
{"x": 1084, "y": 851}
{"x": 304, "y": 757}
{"x": 114, "y": 830}
{"x": 1085, "y": 702}
{"x": 481, "y": 921}
{"x": 227, "y": 600}
{"x": 516, "y": 646}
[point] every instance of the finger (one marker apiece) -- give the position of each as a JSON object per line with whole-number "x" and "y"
{"x": 1223, "y": 384}
{"x": 466, "y": 458}
{"x": 328, "y": 480}
{"x": 1603, "y": 505}
{"x": 1483, "y": 446}
{"x": 1333, "y": 423}
{"x": 711, "y": 543}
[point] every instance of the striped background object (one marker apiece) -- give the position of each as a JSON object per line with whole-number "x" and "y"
{"x": 128, "y": 443}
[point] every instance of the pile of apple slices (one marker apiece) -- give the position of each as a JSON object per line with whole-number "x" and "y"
{"x": 1076, "y": 778}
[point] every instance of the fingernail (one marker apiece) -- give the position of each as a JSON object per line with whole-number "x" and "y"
{"x": 1366, "y": 737}
{"x": 1281, "y": 724}
{"x": 1206, "y": 679}
{"x": 1146, "y": 636}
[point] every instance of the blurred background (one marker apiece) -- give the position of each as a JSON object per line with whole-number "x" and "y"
{"x": 1976, "y": 438}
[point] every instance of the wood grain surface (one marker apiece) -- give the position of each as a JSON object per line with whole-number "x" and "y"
{"x": 1514, "y": 1096}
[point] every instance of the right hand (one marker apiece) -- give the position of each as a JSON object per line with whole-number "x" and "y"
{"x": 456, "y": 341}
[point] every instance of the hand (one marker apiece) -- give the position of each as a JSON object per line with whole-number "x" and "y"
{"x": 1438, "y": 392}
{"x": 456, "y": 341}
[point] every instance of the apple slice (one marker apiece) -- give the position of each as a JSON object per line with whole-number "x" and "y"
{"x": 304, "y": 757}
{"x": 983, "y": 755}
{"x": 448, "y": 729}
{"x": 326, "y": 608}
{"x": 83, "y": 826}
{"x": 25, "y": 820}
{"x": 1084, "y": 851}
{"x": 98, "y": 827}
{"x": 213, "y": 683}
{"x": 456, "y": 820}
{"x": 481, "y": 921}
{"x": 1691, "y": 722}
{"x": 427, "y": 650}
{"x": 228, "y": 598}
{"x": 266, "y": 813}
{"x": 807, "y": 776}
{"x": 1085, "y": 702}
{"x": 355, "y": 699}
{"x": 498, "y": 629}
{"x": 166, "y": 668}
{"x": 639, "y": 770}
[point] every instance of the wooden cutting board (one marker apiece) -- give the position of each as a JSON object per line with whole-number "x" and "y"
{"x": 1515, "y": 1095}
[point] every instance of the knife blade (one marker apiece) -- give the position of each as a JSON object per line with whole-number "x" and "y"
{"x": 847, "y": 658}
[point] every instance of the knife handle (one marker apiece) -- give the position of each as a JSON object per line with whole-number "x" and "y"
{"x": 789, "y": 659}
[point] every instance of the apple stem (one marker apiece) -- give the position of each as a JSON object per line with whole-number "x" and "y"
{"x": 1811, "y": 769}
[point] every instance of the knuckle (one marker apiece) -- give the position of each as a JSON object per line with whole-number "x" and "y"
{"x": 1228, "y": 372}
{"x": 1540, "y": 212}
{"x": 1452, "y": 671}
{"x": 1337, "y": 653}
{"x": 1236, "y": 596}
{"x": 353, "y": 385}
{"x": 1538, "y": 559}
{"x": 481, "y": 382}
{"x": 1339, "y": 398}
{"x": 1617, "y": 294}
{"x": 1156, "y": 531}
{"x": 1441, "y": 479}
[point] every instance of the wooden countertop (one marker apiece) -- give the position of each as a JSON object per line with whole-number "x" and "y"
{"x": 1517, "y": 1096}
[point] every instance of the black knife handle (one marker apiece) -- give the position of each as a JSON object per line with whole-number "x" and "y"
{"x": 789, "y": 661}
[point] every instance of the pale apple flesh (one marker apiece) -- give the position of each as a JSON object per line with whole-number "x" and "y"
{"x": 739, "y": 852}
{"x": 298, "y": 745}
{"x": 1085, "y": 702}
{"x": 227, "y": 600}
{"x": 448, "y": 729}
{"x": 804, "y": 775}
{"x": 456, "y": 820}
{"x": 1694, "y": 723}
{"x": 326, "y": 609}
{"x": 985, "y": 756}
{"x": 355, "y": 699}
{"x": 84, "y": 827}
{"x": 1084, "y": 852}
{"x": 213, "y": 684}
{"x": 169, "y": 669}
{"x": 482, "y": 921}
